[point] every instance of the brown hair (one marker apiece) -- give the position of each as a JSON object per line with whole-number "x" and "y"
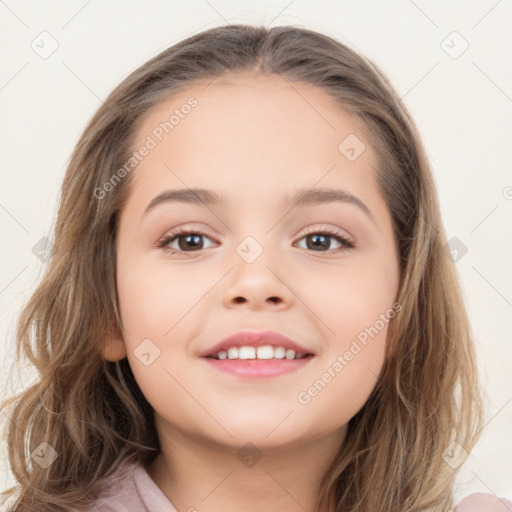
{"x": 92, "y": 412}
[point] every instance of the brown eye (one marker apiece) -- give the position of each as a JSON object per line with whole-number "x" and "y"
{"x": 321, "y": 241}
{"x": 187, "y": 241}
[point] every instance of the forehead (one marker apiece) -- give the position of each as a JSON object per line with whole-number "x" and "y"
{"x": 247, "y": 104}
{"x": 253, "y": 134}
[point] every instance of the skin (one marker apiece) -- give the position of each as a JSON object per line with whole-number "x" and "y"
{"x": 256, "y": 140}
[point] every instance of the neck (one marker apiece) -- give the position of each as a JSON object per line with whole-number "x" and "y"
{"x": 200, "y": 475}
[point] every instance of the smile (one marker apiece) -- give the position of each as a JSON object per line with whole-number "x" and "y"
{"x": 258, "y": 367}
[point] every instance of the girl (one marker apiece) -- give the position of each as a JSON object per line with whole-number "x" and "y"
{"x": 310, "y": 353}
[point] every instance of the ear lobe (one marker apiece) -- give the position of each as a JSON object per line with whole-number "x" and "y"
{"x": 113, "y": 348}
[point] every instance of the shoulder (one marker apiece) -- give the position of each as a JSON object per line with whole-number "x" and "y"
{"x": 483, "y": 502}
{"x": 130, "y": 489}
{"x": 118, "y": 492}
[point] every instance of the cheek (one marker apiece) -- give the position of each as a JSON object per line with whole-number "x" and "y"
{"x": 353, "y": 308}
{"x": 349, "y": 298}
{"x": 153, "y": 296}
{"x": 157, "y": 307}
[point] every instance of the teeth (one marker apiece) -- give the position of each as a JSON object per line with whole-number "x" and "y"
{"x": 263, "y": 352}
{"x": 279, "y": 352}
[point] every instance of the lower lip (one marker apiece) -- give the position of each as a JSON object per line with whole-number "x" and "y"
{"x": 258, "y": 367}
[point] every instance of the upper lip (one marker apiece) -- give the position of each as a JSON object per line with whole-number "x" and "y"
{"x": 255, "y": 339}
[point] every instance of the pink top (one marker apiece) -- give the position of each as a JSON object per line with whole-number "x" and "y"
{"x": 131, "y": 489}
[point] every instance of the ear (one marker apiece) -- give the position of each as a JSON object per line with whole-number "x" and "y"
{"x": 113, "y": 346}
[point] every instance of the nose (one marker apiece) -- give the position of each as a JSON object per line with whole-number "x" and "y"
{"x": 258, "y": 284}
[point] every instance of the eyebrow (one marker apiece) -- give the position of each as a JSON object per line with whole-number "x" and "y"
{"x": 303, "y": 197}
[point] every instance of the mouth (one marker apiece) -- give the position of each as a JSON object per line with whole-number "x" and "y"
{"x": 261, "y": 353}
{"x": 257, "y": 354}
{"x": 268, "y": 345}
{"x": 257, "y": 367}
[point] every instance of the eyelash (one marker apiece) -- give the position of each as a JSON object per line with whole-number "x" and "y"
{"x": 170, "y": 237}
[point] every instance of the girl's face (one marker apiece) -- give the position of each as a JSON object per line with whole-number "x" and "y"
{"x": 258, "y": 263}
